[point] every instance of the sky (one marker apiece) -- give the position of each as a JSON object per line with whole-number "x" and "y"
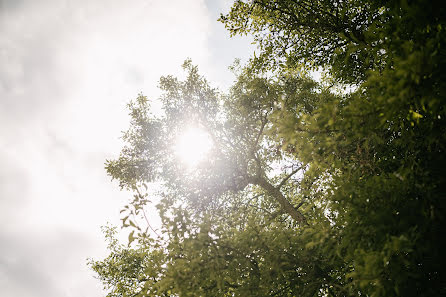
{"x": 67, "y": 70}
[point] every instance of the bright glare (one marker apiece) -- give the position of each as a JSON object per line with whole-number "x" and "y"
{"x": 193, "y": 146}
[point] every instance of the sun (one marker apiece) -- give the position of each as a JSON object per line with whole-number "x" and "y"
{"x": 193, "y": 146}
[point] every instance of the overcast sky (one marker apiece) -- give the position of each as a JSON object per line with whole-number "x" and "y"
{"x": 67, "y": 70}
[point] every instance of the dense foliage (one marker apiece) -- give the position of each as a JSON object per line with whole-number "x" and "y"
{"x": 331, "y": 188}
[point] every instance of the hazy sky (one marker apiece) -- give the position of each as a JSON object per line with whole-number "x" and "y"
{"x": 67, "y": 70}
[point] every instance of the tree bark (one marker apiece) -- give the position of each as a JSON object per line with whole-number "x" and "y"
{"x": 277, "y": 194}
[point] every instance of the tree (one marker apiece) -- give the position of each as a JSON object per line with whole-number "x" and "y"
{"x": 215, "y": 216}
{"x": 381, "y": 144}
{"x": 308, "y": 190}
{"x": 239, "y": 157}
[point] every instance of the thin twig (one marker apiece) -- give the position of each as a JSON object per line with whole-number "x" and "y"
{"x": 147, "y": 221}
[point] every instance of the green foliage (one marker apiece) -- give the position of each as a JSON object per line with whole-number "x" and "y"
{"x": 383, "y": 144}
{"x": 331, "y": 188}
{"x": 125, "y": 272}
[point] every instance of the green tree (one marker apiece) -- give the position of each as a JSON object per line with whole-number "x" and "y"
{"x": 309, "y": 190}
{"x": 383, "y": 143}
{"x": 231, "y": 224}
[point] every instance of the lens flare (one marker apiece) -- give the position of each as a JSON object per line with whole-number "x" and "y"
{"x": 193, "y": 146}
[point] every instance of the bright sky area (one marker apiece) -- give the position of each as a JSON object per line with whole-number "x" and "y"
{"x": 68, "y": 69}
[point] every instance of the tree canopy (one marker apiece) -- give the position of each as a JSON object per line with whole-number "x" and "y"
{"x": 311, "y": 188}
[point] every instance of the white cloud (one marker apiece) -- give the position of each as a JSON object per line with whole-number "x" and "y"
{"x": 68, "y": 70}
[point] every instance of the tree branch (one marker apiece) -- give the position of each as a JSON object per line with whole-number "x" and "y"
{"x": 277, "y": 194}
{"x": 288, "y": 177}
{"x": 262, "y": 127}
